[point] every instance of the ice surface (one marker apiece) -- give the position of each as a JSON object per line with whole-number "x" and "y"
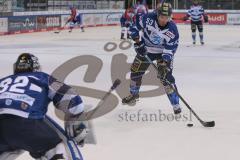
{"x": 208, "y": 76}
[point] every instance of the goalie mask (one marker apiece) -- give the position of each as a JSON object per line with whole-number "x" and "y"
{"x": 26, "y": 62}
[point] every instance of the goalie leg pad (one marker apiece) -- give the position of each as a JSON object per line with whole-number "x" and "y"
{"x": 71, "y": 148}
{"x": 56, "y": 153}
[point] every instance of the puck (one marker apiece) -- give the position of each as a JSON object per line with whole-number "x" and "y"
{"x": 189, "y": 124}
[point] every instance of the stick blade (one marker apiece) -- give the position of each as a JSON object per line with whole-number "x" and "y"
{"x": 116, "y": 83}
{"x": 208, "y": 124}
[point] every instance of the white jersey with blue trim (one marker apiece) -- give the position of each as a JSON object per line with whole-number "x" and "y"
{"x": 196, "y": 13}
{"x": 29, "y": 94}
{"x": 157, "y": 39}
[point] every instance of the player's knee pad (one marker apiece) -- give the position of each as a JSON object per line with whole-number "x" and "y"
{"x": 138, "y": 69}
{"x": 139, "y": 65}
{"x": 200, "y": 28}
{"x": 193, "y": 27}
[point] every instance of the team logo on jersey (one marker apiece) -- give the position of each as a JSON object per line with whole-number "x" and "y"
{"x": 24, "y": 106}
{"x": 170, "y": 34}
{"x": 155, "y": 38}
{"x": 8, "y": 102}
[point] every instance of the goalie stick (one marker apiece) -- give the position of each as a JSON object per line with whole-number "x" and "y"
{"x": 70, "y": 142}
{"x": 88, "y": 115}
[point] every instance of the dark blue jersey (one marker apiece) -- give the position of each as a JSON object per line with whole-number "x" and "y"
{"x": 158, "y": 40}
{"x": 29, "y": 94}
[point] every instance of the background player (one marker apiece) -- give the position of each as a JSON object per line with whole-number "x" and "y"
{"x": 75, "y": 18}
{"x": 127, "y": 20}
{"x": 24, "y": 100}
{"x": 140, "y": 9}
{"x": 196, "y": 13}
{"x": 159, "y": 42}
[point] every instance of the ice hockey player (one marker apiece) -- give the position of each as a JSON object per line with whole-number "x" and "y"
{"x": 75, "y": 18}
{"x": 159, "y": 42}
{"x": 196, "y": 14}
{"x": 24, "y": 100}
{"x": 126, "y": 20}
{"x": 140, "y": 9}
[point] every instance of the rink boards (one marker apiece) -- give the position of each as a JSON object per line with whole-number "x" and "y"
{"x": 27, "y": 22}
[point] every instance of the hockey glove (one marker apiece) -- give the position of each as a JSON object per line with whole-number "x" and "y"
{"x": 140, "y": 49}
{"x": 206, "y": 19}
{"x": 185, "y": 18}
{"x": 77, "y": 130}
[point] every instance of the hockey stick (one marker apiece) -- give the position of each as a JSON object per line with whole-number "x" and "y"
{"x": 88, "y": 115}
{"x": 204, "y": 123}
{"x": 70, "y": 142}
{"x": 59, "y": 31}
{"x": 116, "y": 83}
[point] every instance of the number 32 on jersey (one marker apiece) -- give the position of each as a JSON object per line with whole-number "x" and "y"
{"x": 17, "y": 85}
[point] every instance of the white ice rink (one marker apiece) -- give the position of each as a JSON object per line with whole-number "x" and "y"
{"x": 207, "y": 76}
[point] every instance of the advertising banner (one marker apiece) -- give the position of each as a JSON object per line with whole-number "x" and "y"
{"x": 116, "y": 4}
{"x": 35, "y": 5}
{"x": 64, "y": 19}
{"x": 49, "y": 21}
{"x": 101, "y": 19}
{"x": 112, "y": 18}
{"x": 92, "y": 19}
{"x": 178, "y": 18}
{"x": 217, "y": 18}
{"x": 214, "y": 18}
{"x": 233, "y": 19}
{"x": 23, "y": 23}
{"x": 3, "y": 25}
